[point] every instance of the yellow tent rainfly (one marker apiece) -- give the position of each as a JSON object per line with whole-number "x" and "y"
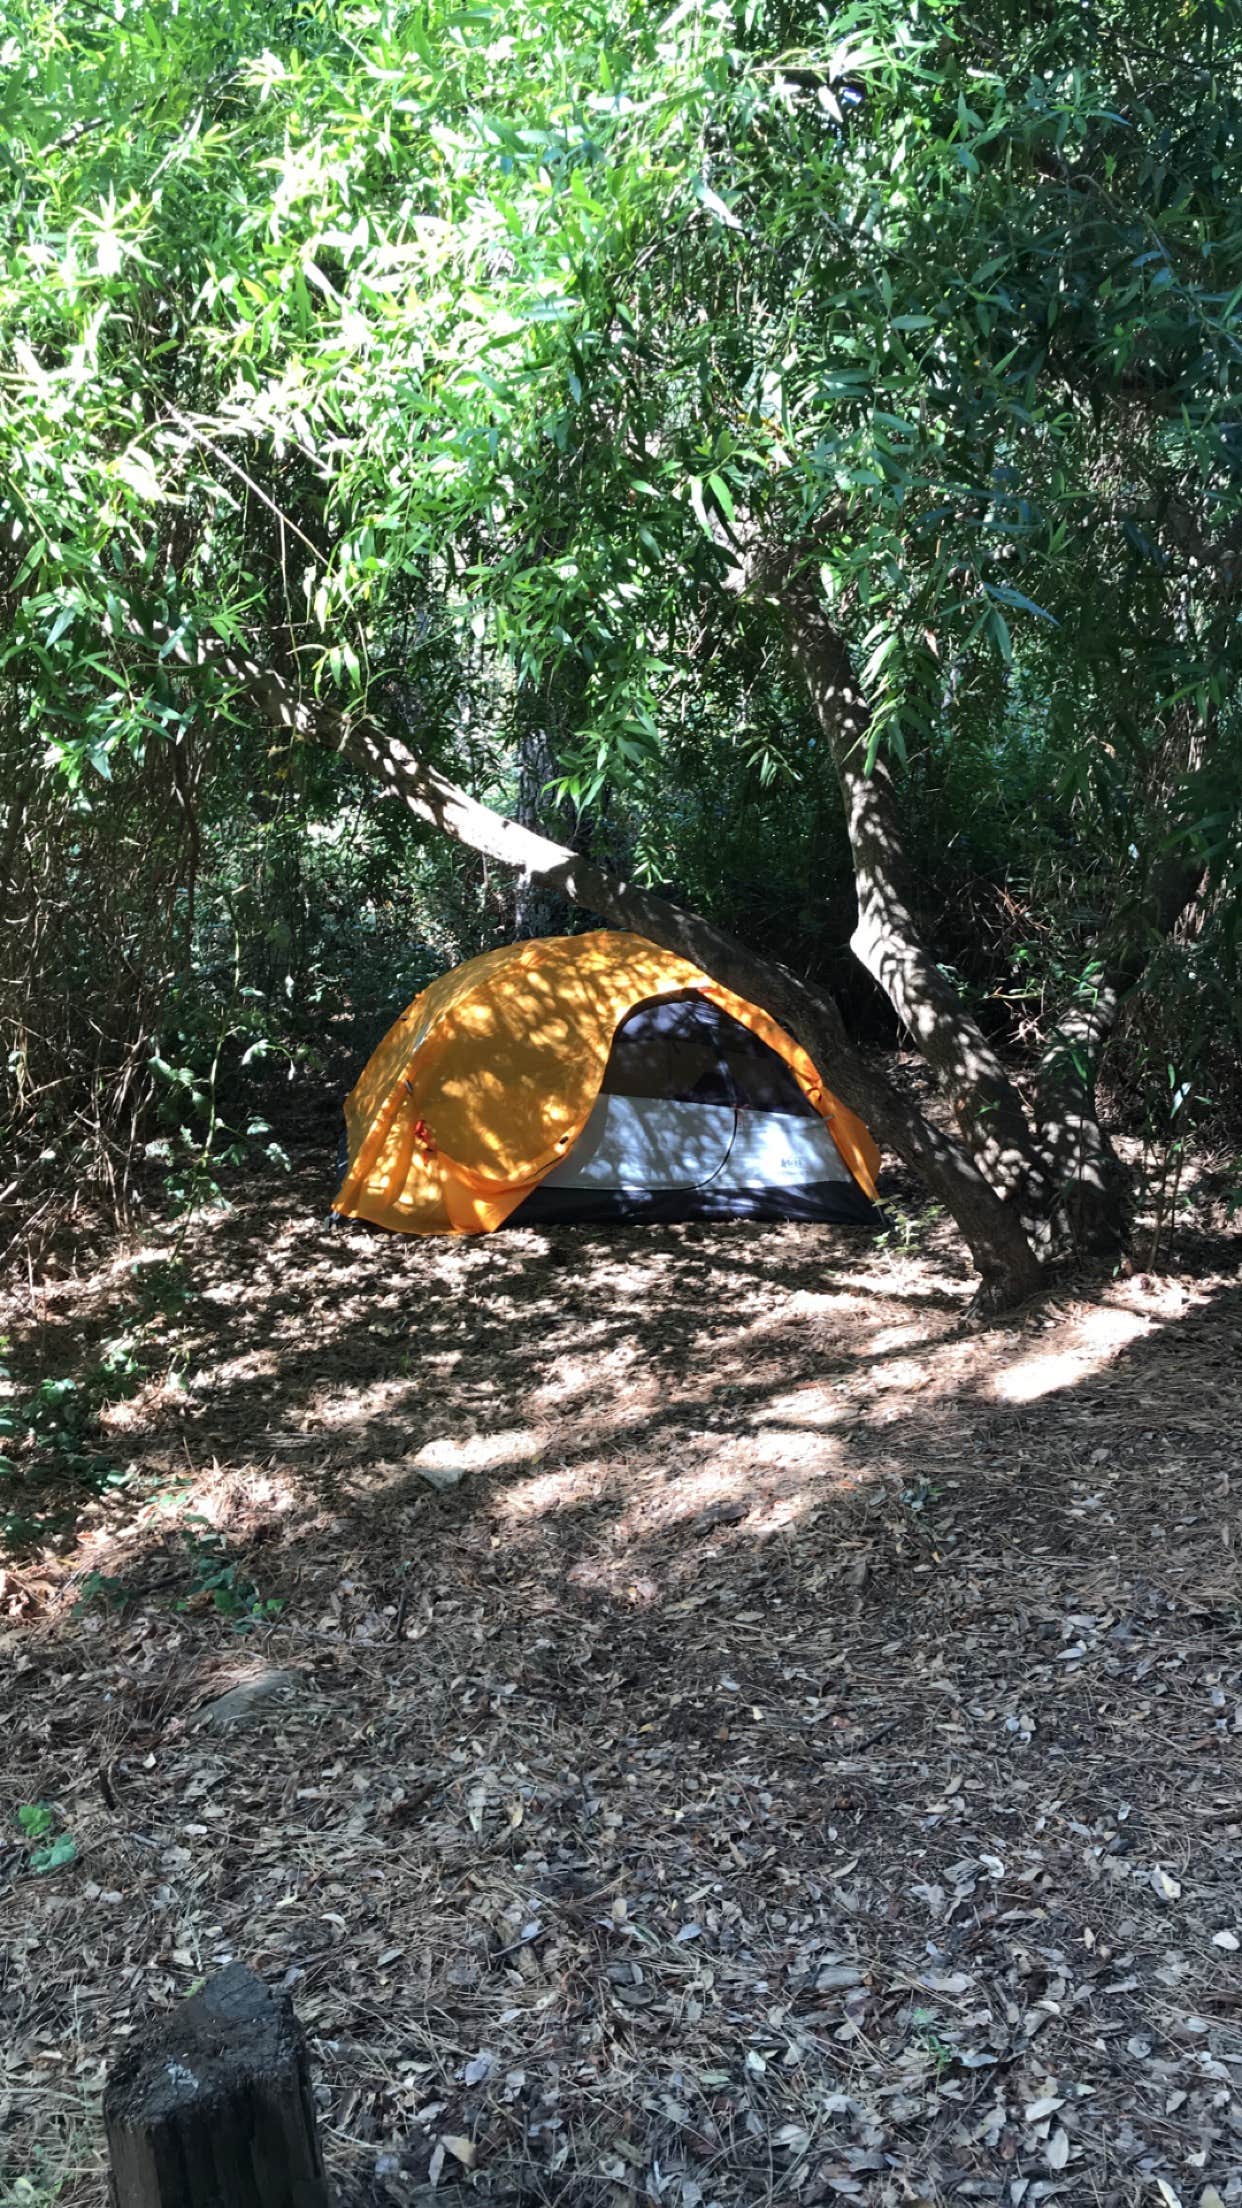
{"x": 595, "y": 1077}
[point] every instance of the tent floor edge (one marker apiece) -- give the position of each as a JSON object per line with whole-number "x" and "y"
{"x": 822, "y": 1203}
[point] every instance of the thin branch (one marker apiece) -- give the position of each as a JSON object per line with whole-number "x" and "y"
{"x": 218, "y": 453}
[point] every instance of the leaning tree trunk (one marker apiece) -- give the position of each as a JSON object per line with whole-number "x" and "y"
{"x": 886, "y": 939}
{"x": 1008, "y": 1267}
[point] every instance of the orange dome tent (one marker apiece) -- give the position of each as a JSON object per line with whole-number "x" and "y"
{"x": 594, "y": 1076}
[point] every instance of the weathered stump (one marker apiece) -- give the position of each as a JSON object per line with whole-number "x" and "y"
{"x": 213, "y": 2108}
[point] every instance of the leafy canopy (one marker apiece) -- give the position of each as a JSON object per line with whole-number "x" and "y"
{"x": 558, "y": 307}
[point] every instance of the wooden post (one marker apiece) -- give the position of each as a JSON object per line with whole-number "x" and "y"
{"x": 213, "y": 2108}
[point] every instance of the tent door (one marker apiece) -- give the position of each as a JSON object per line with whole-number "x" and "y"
{"x": 666, "y": 1117}
{"x": 648, "y": 1142}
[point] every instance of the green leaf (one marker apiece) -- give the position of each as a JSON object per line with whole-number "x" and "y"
{"x": 136, "y": 468}
{"x": 1011, "y": 597}
{"x": 60, "y": 1851}
{"x": 714, "y": 204}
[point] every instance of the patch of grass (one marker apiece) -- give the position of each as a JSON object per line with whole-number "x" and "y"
{"x": 36, "y": 1818}
{"x": 54, "y": 1461}
{"x": 30, "y": 2192}
{"x": 48, "y": 2174}
{"x": 216, "y": 1581}
{"x": 930, "y": 2041}
{"x": 907, "y": 1227}
{"x": 921, "y": 1495}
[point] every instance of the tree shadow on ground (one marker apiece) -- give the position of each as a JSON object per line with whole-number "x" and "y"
{"x": 798, "y": 1727}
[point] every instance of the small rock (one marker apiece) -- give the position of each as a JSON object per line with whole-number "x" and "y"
{"x": 440, "y": 1476}
{"x": 244, "y": 1701}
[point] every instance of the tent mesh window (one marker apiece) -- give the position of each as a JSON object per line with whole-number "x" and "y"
{"x": 697, "y": 1118}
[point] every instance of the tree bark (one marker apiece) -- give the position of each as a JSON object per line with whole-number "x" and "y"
{"x": 886, "y": 939}
{"x": 536, "y": 909}
{"x": 1008, "y": 1267}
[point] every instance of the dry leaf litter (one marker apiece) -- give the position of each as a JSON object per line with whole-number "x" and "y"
{"x": 735, "y": 1732}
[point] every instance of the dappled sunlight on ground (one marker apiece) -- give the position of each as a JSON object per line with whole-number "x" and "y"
{"x": 790, "y": 1729}
{"x": 626, "y": 1384}
{"x": 479, "y": 1452}
{"x": 1087, "y": 1345}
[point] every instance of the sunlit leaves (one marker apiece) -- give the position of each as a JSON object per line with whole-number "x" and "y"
{"x": 560, "y": 308}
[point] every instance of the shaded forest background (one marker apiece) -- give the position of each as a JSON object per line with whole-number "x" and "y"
{"x": 462, "y": 365}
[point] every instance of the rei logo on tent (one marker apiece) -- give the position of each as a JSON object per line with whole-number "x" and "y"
{"x": 595, "y": 1077}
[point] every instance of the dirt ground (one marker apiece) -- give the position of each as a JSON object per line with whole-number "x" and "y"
{"x": 732, "y": 1731}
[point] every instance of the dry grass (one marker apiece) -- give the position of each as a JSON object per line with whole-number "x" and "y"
{"x": 754, "y": 1739}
